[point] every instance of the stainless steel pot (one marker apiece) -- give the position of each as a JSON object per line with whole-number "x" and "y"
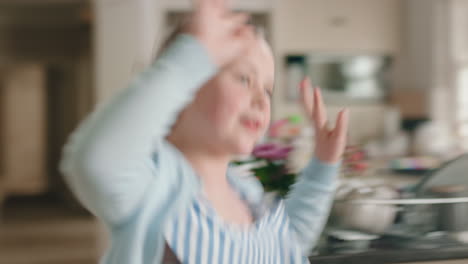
{"x": 369, "y": 217}
{"x": 429, "y": 203}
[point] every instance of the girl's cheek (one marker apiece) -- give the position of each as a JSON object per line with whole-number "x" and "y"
{"x": 236, "y": 95}
{"x": 234, "y": 105}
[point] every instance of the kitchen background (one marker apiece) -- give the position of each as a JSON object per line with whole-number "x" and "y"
{"x": 401, "y": 66}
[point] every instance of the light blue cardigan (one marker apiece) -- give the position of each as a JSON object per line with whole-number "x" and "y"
{"x": 123, "y": 170}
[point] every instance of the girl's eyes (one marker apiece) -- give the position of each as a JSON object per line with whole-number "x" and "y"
{"x": 246, "y": 80}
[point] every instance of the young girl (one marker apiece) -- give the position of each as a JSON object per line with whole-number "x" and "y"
{"x": 153, "y": 163}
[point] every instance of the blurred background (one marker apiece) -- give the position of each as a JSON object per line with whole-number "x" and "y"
{"x": 400, "y": 66}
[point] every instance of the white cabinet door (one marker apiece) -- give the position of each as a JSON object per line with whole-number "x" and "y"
{"x": 23, "y": 139}
{"x": 248, "y": 5}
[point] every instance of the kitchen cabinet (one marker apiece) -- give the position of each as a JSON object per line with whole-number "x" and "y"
{"x": 23, "y": 137}
{"x": 45, "y": 89}
{"x": 341, "y": 27}
{"x": 250, "y": 5}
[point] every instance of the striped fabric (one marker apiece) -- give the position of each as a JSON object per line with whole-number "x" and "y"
{"x": 199, "y": 236}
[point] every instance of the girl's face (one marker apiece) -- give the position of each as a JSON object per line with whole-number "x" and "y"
{"x": 232, "y": 111}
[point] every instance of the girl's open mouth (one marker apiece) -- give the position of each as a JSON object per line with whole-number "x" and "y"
{"x": 251, "y": 125}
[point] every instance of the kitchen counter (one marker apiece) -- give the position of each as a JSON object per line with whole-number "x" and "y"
{"x": 385, "y": 254}
{"x": 394, "y": 256}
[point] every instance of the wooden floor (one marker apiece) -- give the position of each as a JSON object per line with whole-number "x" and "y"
{"x": 46, "y": 233}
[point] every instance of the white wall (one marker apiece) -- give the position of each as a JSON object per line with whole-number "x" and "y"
{"x": 124, "y": 33}
{"x": 428, "y": 63}
{"x": 419, "y": 24}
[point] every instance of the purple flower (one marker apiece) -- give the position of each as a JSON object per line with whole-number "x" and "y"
{"x": 271, "y": 151}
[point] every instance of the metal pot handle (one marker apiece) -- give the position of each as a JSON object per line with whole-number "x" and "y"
{"x": 406, "y": 201}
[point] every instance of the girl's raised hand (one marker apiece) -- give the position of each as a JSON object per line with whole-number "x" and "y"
{"x": 329, "y": 143}
{"x": 225, "y": 34}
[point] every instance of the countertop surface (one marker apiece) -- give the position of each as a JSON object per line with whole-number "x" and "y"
{"x": 394, "y": 256}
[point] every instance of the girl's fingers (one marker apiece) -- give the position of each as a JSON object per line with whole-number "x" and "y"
{"x": 237, "y": 20}
{"x": 226, "y": 4}
{"x": 341, "y": 128}
{"x": 244, "y": 35}
{"x": 200, "y": 4}
{"x": 319, "y": 112}
{"x": 306, "y": 96}
{"x": 313, "y": 105}
{"x": 242, "y": 39}
{"x": 203, "y": 6}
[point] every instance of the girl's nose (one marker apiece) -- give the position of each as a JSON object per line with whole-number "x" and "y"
{"x": 259, "y": 98}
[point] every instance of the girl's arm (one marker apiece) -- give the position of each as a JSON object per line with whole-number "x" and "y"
{"x": 309, "y": 202}
{"x": 107, "y": 161}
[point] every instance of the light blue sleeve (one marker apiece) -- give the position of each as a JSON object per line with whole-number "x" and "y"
{"x": 108, "y": 159}
{"x": 309, "y": 201}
